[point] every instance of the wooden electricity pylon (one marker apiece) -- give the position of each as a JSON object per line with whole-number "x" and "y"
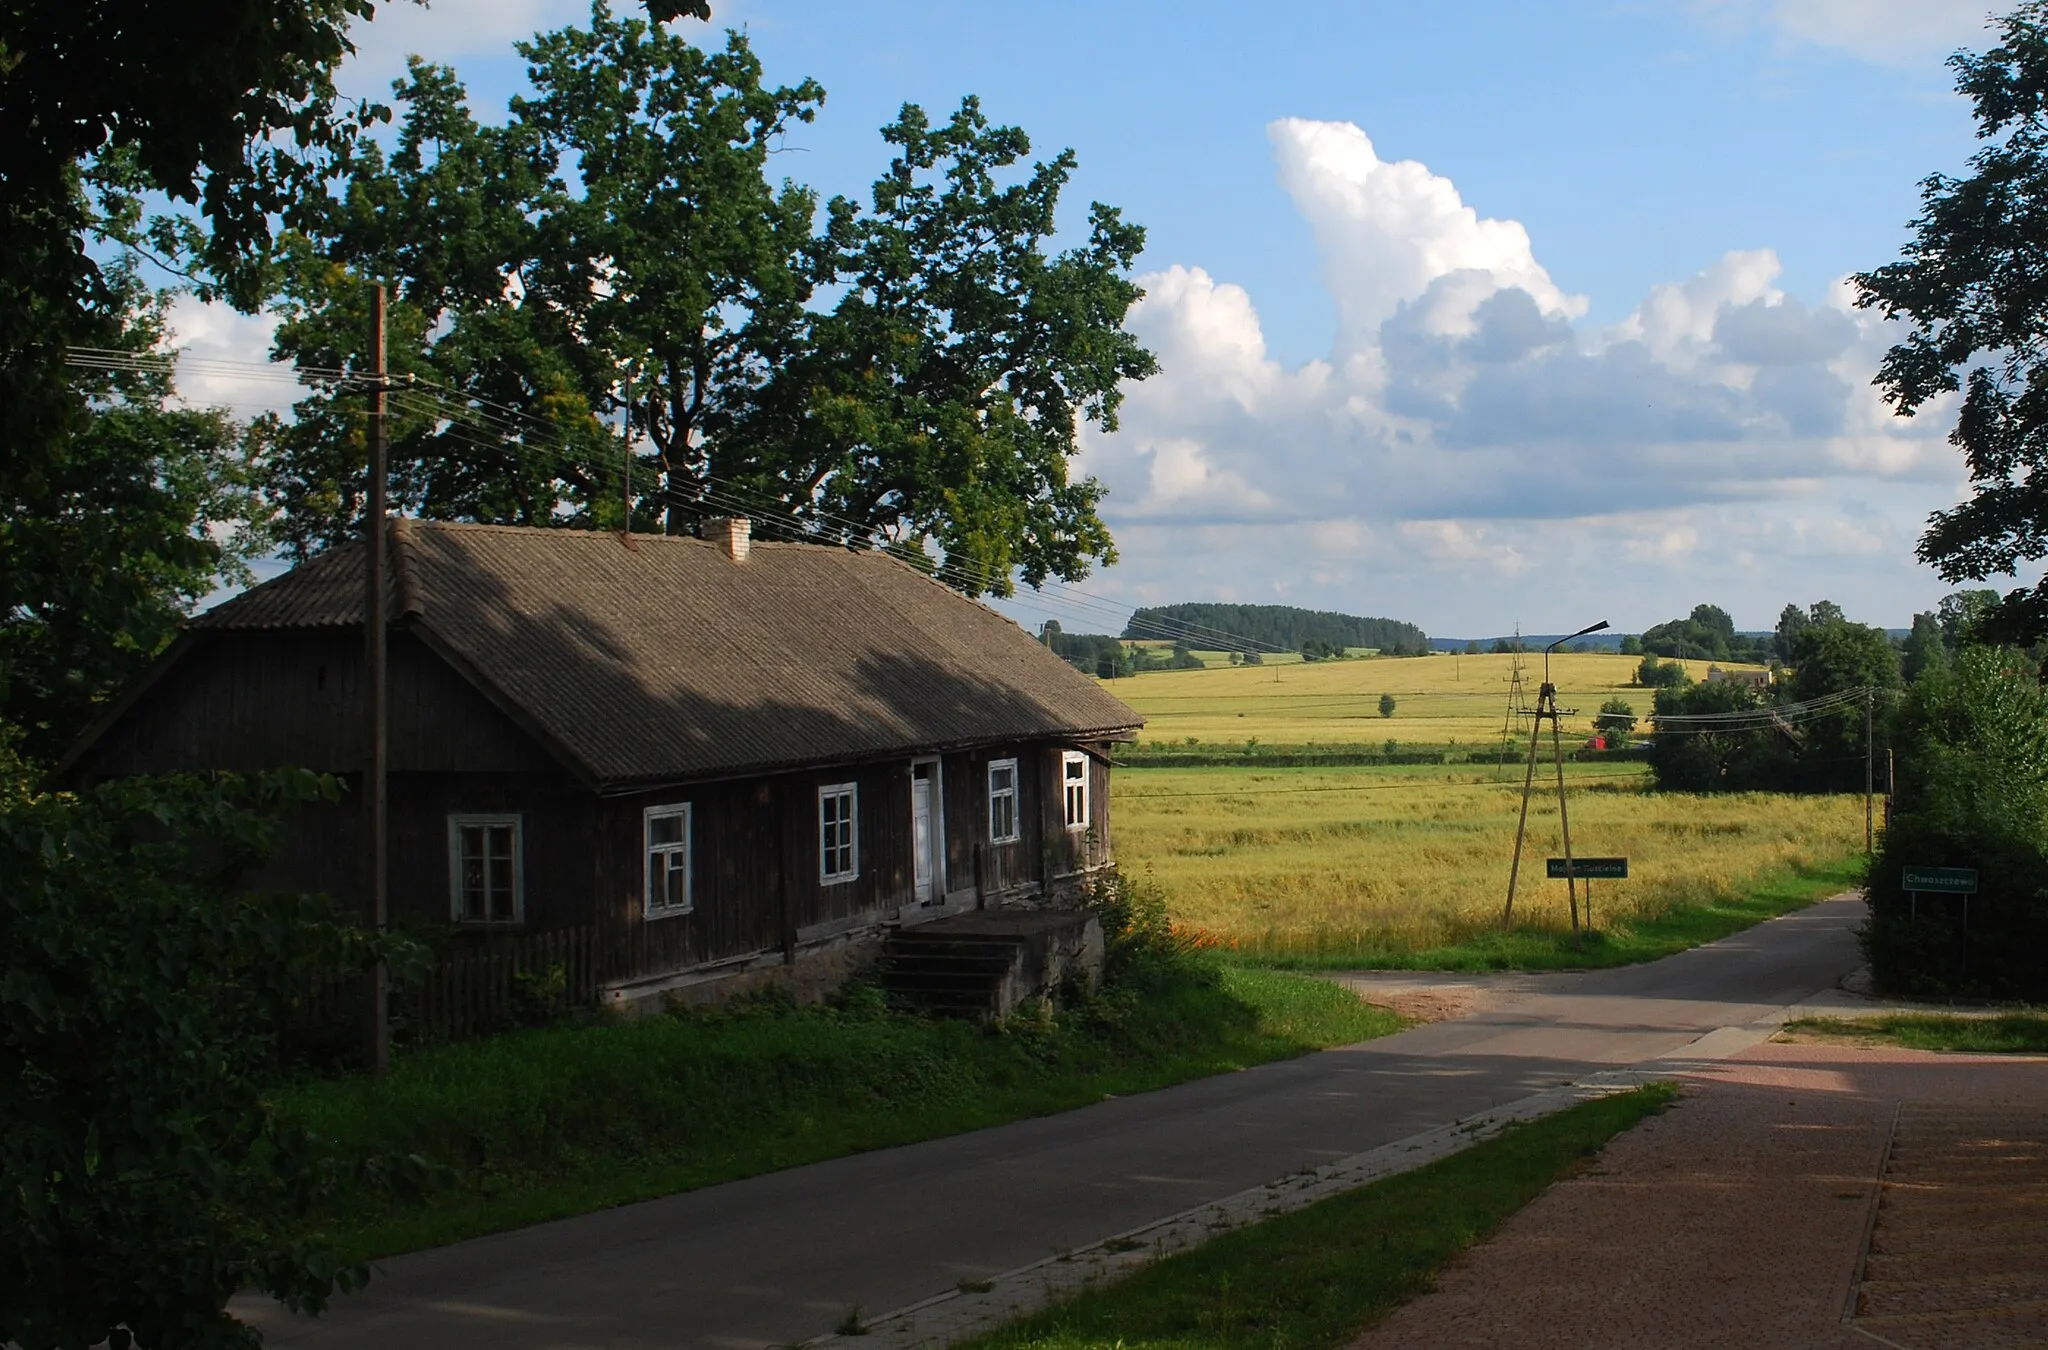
{"x": 1511, "y": 722}
{"x": 1546, "y": 707}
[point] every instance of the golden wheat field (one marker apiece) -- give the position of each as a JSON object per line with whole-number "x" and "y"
{"x": 1363, "y": 860}
{"x": 1303, "y": 861}
{"x": 1437, "y": 699}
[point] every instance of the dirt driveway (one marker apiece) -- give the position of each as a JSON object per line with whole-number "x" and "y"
{"x": 1808, "y": 1195}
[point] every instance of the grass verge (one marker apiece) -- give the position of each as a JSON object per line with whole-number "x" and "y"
{"x": 1621, "y": 943}
{"x": 1320, "y": 1276}
{"x": 2016, "y": 1033}
{"x": 540, "y": 1124}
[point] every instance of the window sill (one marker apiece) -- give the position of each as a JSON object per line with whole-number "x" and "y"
{"x": 667, "y": 912}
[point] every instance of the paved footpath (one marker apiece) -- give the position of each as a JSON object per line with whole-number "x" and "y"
{"x": 1819, "y": 1196}
{"x": 780, "y": 1259}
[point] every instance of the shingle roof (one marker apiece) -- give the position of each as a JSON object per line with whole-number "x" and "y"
{"x": 673, "y": 661}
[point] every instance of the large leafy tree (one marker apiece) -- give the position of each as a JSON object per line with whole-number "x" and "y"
{"x": 1970, "y": 286}
{"x": 106, "y": 517}
{"x": 115, "y": 530}
{"x": 660, "y": 285}
{"x": 942, "y": 395}
{"x": 913, "y": 374}
{"x": 1834, "y": 656}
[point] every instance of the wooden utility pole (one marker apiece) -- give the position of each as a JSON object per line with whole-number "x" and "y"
{"x": 1869, "y": 771}
{"x": 1546, "y": 707}
{"x": 375, "y": 703}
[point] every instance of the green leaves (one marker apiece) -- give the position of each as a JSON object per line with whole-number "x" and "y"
{"x": 615, "y": 263}
{"x": 143, "y": 1175}
{"x": 1972, "y": 289}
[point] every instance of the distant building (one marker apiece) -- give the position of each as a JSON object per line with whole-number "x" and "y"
{"x": 712, "y": 754}
{"x": 1754, "y": 679}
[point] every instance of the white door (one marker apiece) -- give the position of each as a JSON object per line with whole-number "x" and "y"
{"x": 923, "y": 837}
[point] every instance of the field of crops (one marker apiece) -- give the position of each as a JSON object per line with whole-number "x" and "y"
{"x": 1438, "y": 700}
{"x": 1385, "y": 861}
{"x": 1367, "y": 862}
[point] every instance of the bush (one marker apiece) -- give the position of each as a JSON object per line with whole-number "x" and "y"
{"x": 1654, "y": 674}
{"x": 1616, "y": 722}
{"x": 143, "y": 1176}
{"x": 1973, "y": 792}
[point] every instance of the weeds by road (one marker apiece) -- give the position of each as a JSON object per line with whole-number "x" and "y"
{"x": 1318, "y": 1277}
{"x": 2024, "y": 1033}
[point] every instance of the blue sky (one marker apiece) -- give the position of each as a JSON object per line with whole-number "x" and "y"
{"x": 1472, "y": 314}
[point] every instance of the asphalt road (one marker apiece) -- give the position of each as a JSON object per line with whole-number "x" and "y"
{"x": 781, "y": 1258}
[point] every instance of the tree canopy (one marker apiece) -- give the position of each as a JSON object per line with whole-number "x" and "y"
{"x": 1707, "y": 634}
{"x": 1285, "y": 627}
{"x": 908, "y": 373}
{"x": 1970, "y": 288}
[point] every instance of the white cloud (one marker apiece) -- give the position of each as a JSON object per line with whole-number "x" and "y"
{"x": 1394, "y": 233}
{"x": 212, "y": 340}
{"x": 1890, "y": 32}
{"x": 1469, "y": 441}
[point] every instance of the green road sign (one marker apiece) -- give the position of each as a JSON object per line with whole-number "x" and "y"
{"x": 1588, "y": 869}
{"x": 1947, "y": 880}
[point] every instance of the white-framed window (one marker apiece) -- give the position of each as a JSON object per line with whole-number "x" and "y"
{"x": 665, "y": 837}
{"x": 1074, "y": 788}
{"x": 486, "y": 882}
{"x": 839, "y": 832}
{"x": 1002, "y": 801}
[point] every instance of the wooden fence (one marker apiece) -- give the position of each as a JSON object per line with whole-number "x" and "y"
{"x": 511, "y": 981}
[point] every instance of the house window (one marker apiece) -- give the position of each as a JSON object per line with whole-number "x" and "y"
{"x": 1074, "y": 781}
{"x": 484, "y": 869}
{"x": 838, "y": 828}
{"x": 666, "y": 830}
{"x": 1002, "y": 801}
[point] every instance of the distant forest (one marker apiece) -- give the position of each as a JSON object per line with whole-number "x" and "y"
{"x": 1274, "y": 626}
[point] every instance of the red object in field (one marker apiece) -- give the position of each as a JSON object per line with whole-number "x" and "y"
{"x": 1597, "y": 743}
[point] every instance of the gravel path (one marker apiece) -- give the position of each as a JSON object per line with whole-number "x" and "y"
{"x": 1742, "y": 1217}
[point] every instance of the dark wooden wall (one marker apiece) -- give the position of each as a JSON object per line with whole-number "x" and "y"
{"x": 246, "y": 701}
{"x": 269, "y": 700}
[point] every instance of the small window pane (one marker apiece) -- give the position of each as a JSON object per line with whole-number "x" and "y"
{"x": 665, "y": 830}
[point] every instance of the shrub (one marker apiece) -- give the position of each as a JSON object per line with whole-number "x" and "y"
{"x": 143, "y": 1175}
{"x": 1973, "y": 792}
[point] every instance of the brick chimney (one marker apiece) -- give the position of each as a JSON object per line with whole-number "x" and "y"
{"x": 734, "y": 534}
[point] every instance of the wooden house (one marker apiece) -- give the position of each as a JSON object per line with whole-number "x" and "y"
{"x": 716, "y": 754}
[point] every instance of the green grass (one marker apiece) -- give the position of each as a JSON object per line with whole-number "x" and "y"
{"x": 1318, "y": 1277}
{"x": 1612, "y": 944}
{"x": 540, "y": 1124}
{"x": 2017, "y": 1033}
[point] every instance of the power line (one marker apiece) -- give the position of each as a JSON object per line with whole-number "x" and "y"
{"x": 513, "y": 425}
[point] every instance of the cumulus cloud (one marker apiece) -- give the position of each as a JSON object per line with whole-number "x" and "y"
{"x": 219, "y": 350}
{"x": 1468, "y": 422}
